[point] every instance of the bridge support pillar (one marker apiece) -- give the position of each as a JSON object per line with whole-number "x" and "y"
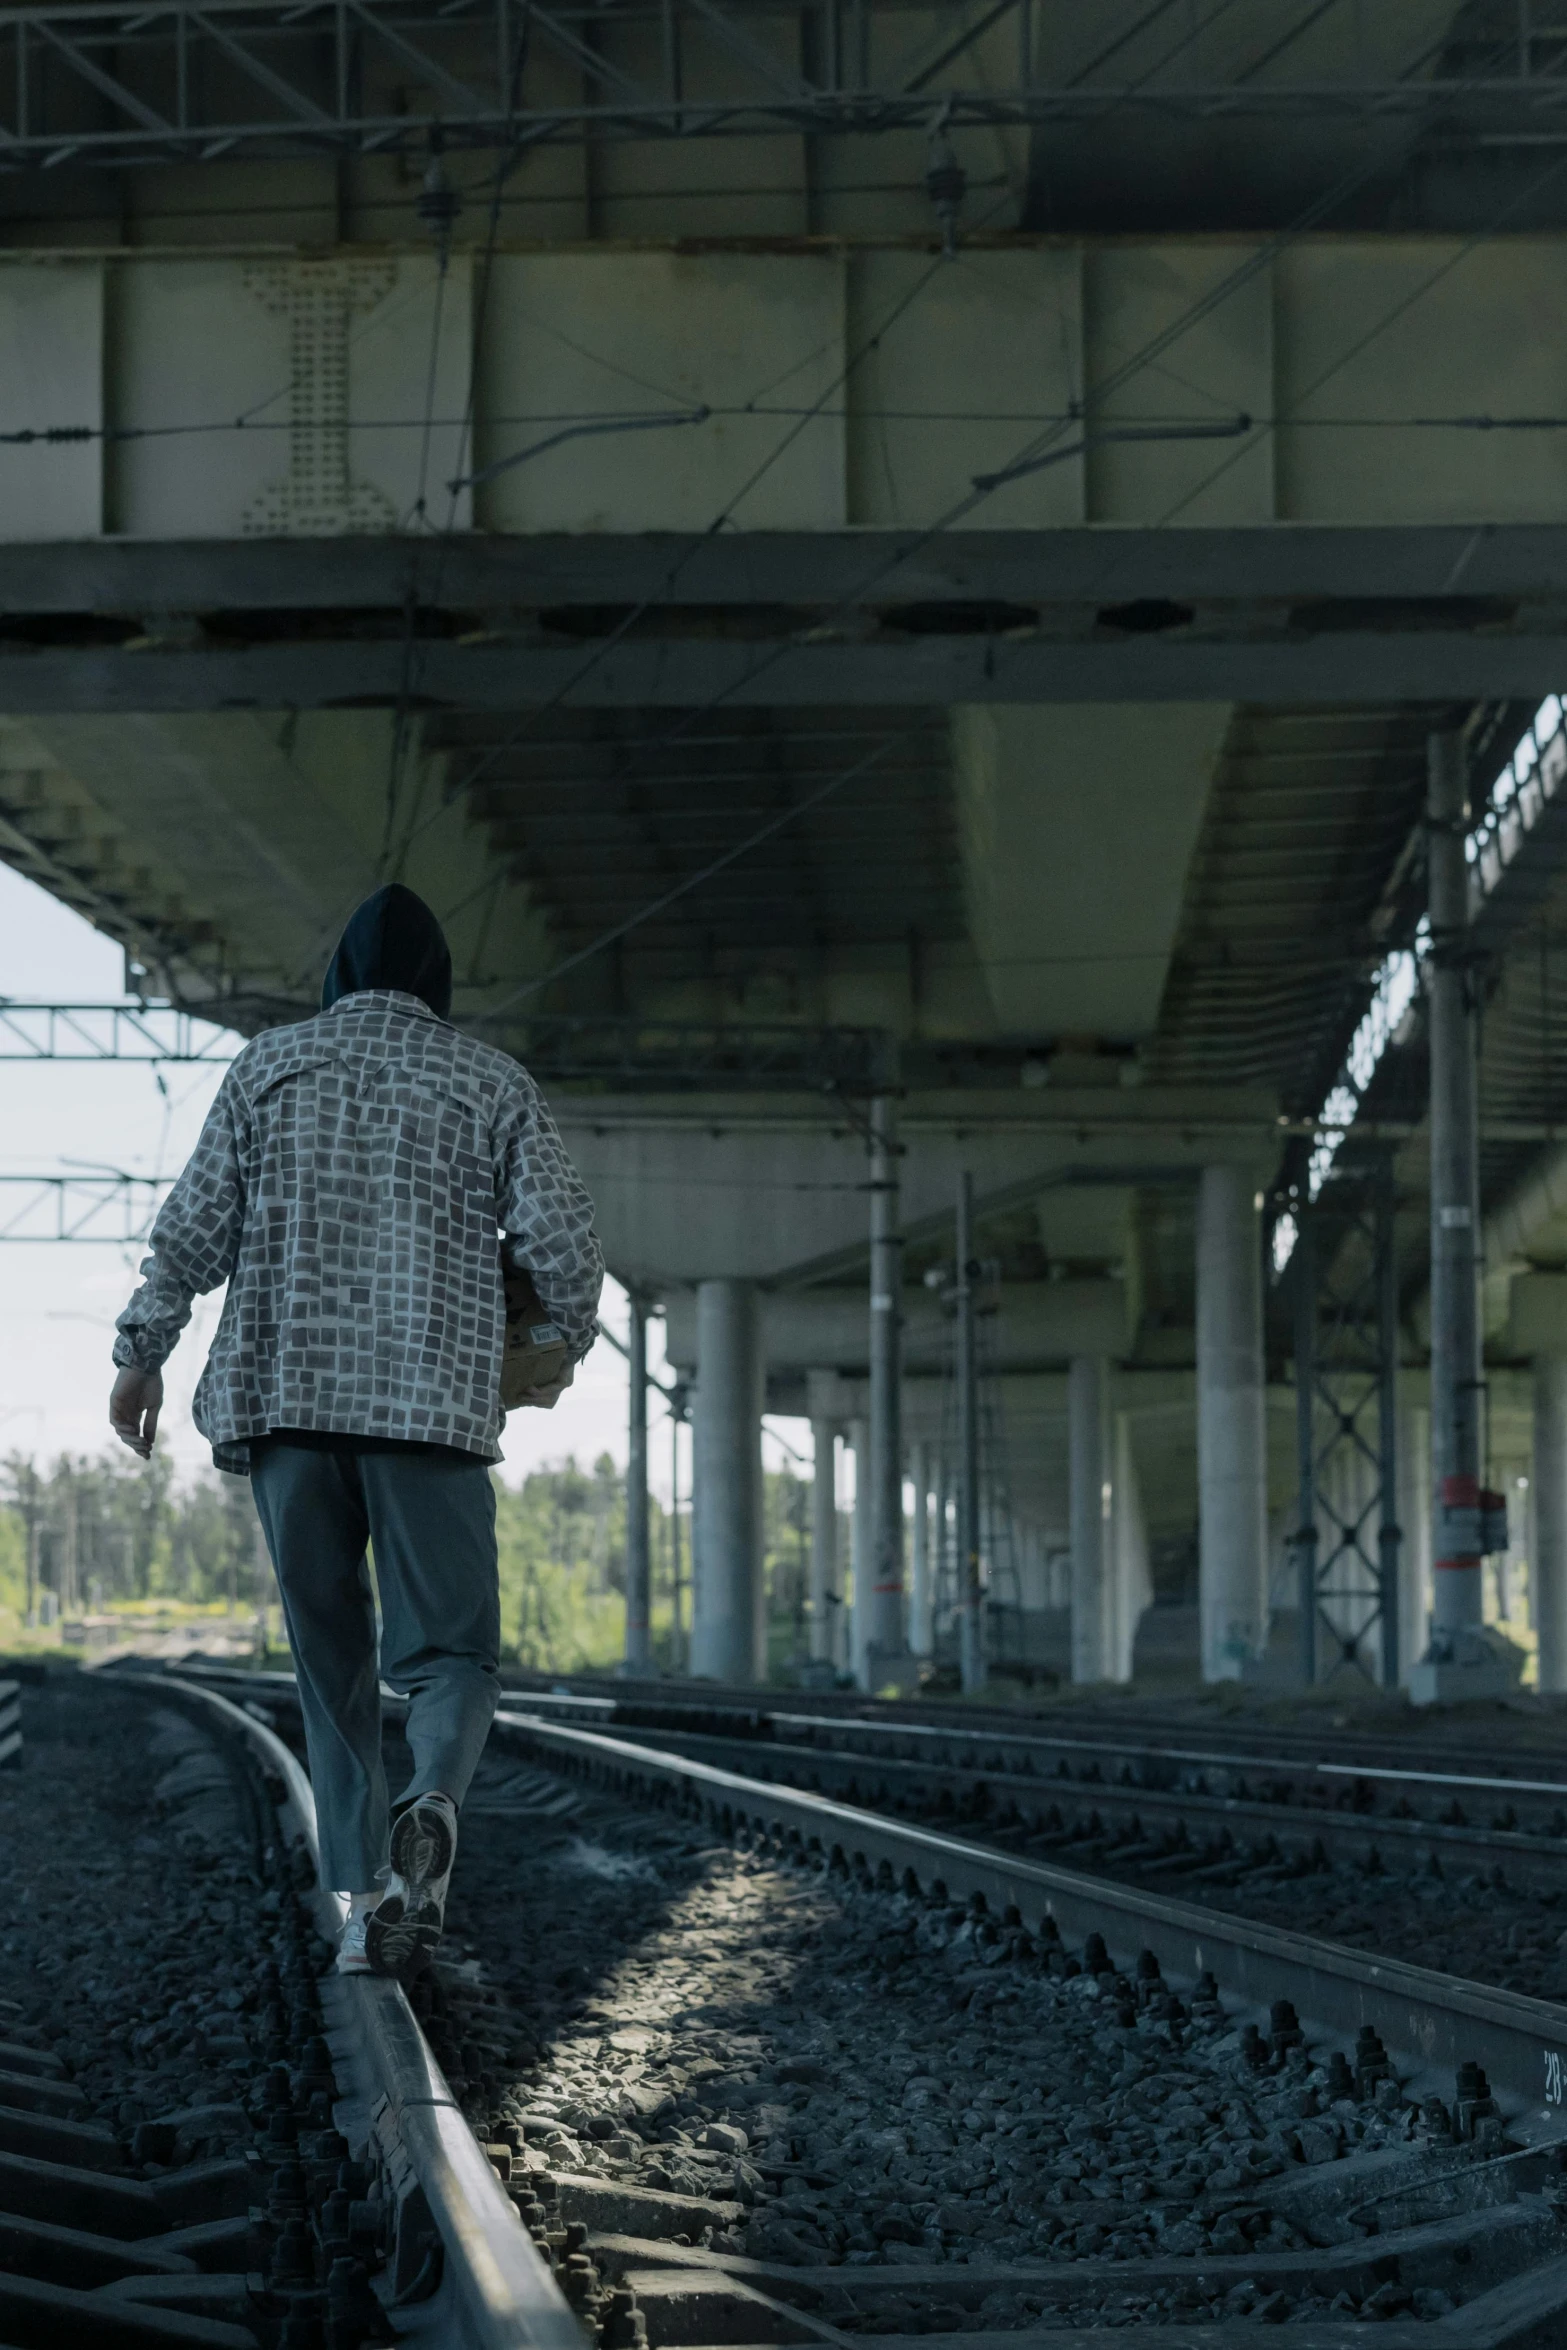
{"x": 728, "y": 1622}
{"x": 1232, "y": 1459}
{"x": 1089, "y": 1496}
{"x": 859, "y": 1611}
{"x": 922, "y": 1638}
{"x": 639, "y": 1575}
{"x": 825, "y": 1594}
{"x": 885, "y": 1650}
{"x": 1548, "y": 1551}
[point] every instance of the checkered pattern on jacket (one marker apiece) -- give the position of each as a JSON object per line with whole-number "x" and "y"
{"x": 355, "y": 1184}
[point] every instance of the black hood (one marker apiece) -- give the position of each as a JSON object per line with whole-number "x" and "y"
{"x": 392, "y": 940}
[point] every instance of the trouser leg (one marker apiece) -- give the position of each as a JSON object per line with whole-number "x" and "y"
{"x": 432, "y": 1526}
{"x": 312, "y": 1512}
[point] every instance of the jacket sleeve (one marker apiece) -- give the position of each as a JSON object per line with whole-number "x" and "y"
{"x": 194, "y": 1241}
{"x": 546, "y": 1219}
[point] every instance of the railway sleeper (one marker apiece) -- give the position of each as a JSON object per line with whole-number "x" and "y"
{"x": 689, "y": 2296}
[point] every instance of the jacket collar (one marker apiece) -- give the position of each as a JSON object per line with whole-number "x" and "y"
{"x": 383, "y": 998}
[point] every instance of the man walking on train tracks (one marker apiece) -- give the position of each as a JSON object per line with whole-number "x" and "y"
{"x": 367, "y": 1182}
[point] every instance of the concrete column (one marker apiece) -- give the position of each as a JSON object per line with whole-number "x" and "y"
{"x": 1548, "y": 1480}
{"x": 884, "y": 1635}
{"x": 728, "y": 1630}
{"x": 824, "y": 1537}
{"x": 1088, "y": 1452}
{"x": 1457, "y": 1605}
{"x": 859, "y": 1439}
{"x": 1131, "y": 1584}
{"x": 921, "y": 1613}
{"x": 639, "y": 1578}
{"x": 940, "y": 1540}
{"x": 1232, "y": 1457}
{"x": 970, "y": 1596}
{"x": 1414, "y": 1551}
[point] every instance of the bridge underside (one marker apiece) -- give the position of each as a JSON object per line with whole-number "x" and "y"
{"x": 801, "y": 667}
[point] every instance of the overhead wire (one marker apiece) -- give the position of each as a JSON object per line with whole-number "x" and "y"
{"x": 629, "y": 619}
{"x": 1028, "y": 458}
{"x": 1386, "y": 420}
{"x": 392, "y": 866}
{"x": 983, "y": 486}
{"x": 638, "y": 610}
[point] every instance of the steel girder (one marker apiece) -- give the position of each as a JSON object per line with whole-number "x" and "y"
{"x": 103, "y": 81}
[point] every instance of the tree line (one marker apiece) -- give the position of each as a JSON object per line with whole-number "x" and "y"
{"x": 82, "y": 1535}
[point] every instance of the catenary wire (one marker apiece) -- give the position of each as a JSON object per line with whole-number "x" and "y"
{"x": 1263, "y": 257}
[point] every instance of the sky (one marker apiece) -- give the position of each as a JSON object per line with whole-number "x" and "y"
{"x": 58, "y": 1300}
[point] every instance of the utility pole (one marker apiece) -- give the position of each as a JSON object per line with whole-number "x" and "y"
{"x": 821, "y": 1390}
{"x": 1462, "y": 1658}
{"x": 883, "y": 1640}
{"x": 638, "y": 1560}
{"x": 972, "y": 1649}
{"x": 678, "y": 1656}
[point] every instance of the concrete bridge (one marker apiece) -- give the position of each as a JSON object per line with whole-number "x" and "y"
{"x": 810, "y": 669}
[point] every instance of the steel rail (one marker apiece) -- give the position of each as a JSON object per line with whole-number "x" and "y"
{"x": 1431, "y": 2023}
{"x": 502, "y": 2295}
{"x": 1402, "y": 1843}
{"x": 1126, "y": 1746}
{"x": 1158, "y": 1796}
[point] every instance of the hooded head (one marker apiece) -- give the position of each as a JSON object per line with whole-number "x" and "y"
{"x": 392, "y": 940}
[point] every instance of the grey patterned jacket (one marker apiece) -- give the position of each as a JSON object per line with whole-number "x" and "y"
{"x": 352, "y": 1184}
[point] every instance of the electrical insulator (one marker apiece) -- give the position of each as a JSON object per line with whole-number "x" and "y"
{"x": 438, "y": 203}
{"x": 946, "y": 183}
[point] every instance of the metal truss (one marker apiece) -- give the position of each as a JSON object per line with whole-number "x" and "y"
{"x": 101, "y": 81}
{"x": 112, "y": 1207}
{"x": 109, "y": 1032}
{"x": 616, "y": 1052}
{"x": 1346, "y": 1360}
{"x": 626, "y": 1055}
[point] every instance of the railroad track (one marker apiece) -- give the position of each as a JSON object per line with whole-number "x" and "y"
{"x": 1527, "y": 1748}
{"x": 206, "y": 2138}
{"x": 1213, "y": 2124}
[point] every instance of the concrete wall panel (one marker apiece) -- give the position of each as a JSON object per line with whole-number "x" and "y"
{"x": 1381, "y": 330}
{"x": 1207, "y": 326}
{"x": 326, "y": 365}
{"x": 991, "y": 352}
{"x": 51, "y": 374}
{"x": 575, "y": 336}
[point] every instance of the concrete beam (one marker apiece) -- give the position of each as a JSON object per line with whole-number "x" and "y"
{"x": 1077, "y": 825}
{"x": 653, "y": 671}
{"x": 1536, "y": 1205}
{"x": 1036, "y": 1325}
{"x": 771, "y": 1190}
{"x": 245, "y": 837}
{"x": 1537, "y": 1316}
{"x": 1316, "y": 340}
{"x": 1401, "y": 575}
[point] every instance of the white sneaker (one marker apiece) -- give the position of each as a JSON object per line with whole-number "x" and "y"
{"x": 352, "y": 1956}
{"x": 402, "y": 1931}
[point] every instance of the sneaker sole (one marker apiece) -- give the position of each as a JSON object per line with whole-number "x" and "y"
{"x": 401, "y": 1946}
{"x": 423, "y": 1845}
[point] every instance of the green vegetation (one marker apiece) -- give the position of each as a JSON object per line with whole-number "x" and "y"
{"x": 117, "y": 1537}
{"x": 91, "y": 1535}
{"x": 562, "y": 1540}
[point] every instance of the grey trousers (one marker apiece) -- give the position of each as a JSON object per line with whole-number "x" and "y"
{"x": 430, "y": 1518}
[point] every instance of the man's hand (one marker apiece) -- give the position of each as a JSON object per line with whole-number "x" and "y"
{"x": 544, "y": 1399}
{"x": 134, "y": 1404}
